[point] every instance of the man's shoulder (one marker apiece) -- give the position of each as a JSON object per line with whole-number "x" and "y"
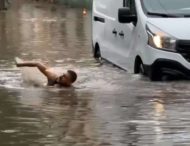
{"x": 51, "y": 74}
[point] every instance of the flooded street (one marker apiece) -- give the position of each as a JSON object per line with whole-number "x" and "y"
{"x": 106, "y": 106}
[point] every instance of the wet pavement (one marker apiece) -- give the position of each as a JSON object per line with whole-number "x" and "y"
{"x": 106, "y": 106}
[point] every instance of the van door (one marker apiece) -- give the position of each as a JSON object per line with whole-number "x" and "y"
{"x": 126, "y": 34}
{"x": 111, "y": 31}
{"x": 99, "y": 23}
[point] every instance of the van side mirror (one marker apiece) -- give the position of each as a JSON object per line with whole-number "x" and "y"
{"x": 125, "y": 16}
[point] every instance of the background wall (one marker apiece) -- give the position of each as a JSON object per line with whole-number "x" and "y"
{"x": 77, "y": 3}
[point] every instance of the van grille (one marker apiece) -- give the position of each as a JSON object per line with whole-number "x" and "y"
{"x": 183, "y": 47}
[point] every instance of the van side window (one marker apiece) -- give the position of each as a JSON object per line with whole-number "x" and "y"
{"x": 125, "y": 3}
{"x": 130, "y": 4}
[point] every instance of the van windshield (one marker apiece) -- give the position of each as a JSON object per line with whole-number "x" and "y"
{"x": 167, "y": 8}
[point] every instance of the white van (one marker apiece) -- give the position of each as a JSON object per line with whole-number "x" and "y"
{"x": 143, "y": 36}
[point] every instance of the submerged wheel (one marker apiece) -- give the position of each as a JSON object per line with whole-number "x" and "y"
{"x": 97, "y": 53}
{"x": 155, "y": 74}
{"x": 141, "y": 69}
{"x": 139, "y": 66}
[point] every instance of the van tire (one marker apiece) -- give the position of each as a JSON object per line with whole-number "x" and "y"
{"x": 155, "y": 75}
{"x": 139, "y": 66}
{"x": 141, "y": 69}
{"x": 97, "y": 53}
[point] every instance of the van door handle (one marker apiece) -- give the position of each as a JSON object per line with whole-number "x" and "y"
{"x": 121, "y": 34}
{"x": 114, "y": 32}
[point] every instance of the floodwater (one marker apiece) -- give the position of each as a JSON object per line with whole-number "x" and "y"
{"x": 106, "y": 106}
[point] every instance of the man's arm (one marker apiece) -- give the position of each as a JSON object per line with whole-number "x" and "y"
{"x": 40, "y": 66}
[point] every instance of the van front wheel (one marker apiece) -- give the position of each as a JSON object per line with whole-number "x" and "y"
{"x": 155, "y": 75}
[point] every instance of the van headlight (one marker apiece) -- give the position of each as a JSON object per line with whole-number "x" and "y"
{"x": 159, "y": 39}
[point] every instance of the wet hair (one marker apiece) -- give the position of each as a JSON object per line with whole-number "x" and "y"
{"x": 73, "y": 75}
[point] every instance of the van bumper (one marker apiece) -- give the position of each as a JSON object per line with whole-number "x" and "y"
{"x": 168, "y": 67}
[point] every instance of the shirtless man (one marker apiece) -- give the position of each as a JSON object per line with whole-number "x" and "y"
{"x": 65, "y": 80}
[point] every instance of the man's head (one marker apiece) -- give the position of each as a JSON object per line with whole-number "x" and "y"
{"x": 68, "y": 78}
{"x": 72, "y": 75}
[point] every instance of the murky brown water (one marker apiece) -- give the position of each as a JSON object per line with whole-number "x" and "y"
{"x": 106, "y": 107}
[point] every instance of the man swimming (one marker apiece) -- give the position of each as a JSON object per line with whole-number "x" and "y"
{"x": 64, "y": 80}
